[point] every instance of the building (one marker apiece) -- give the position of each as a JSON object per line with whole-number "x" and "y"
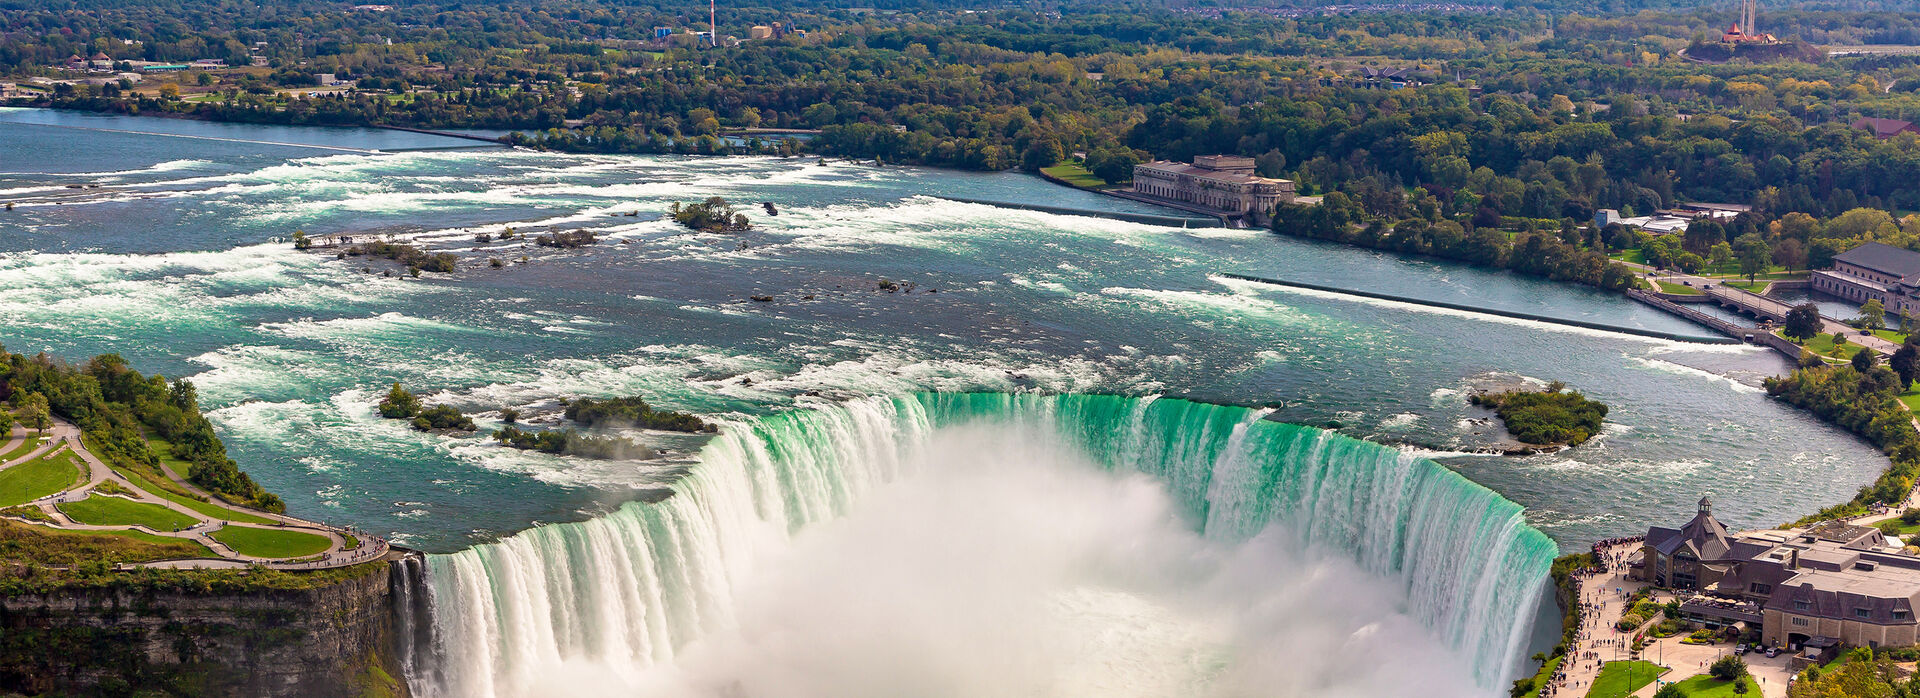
{"x": 325, "y": 79}
{"x": 1223, "y": 184}
{"x": 100, "y": 61}
{"x": 662, "y": 32}
{"x": 1874, "y": 271}
{"x": 1752, "y": 34}
{"x": 1885, "y": 128}
{"x": 760, "y": 32}
{"x": 1803, "y": 589}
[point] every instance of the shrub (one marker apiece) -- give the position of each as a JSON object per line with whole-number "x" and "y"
{"x": 1729, "y": 668}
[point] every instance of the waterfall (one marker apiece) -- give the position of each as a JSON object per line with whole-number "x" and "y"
{"x": 636, "y": 586}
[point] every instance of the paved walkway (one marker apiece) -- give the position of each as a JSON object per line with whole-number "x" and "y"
{"x": 1603, "y": 596}
{"x": 63, "y": 436}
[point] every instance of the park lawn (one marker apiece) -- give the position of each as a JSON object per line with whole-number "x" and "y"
{"x": 37, "y": 478}
{"x": 1705, "y": 686}
{"x": 1754, "y": 287}
{"x": 1911, "y": 398}
{"x": 271, "y": 542}
{"x": 1075, "y": 175}
{"x": 1621, "y": 679}
{"x": 1823, "y": 345}
{"x": 1891, "y": 336}
{"x": 1633, "y": 256}
{"x": 26, "y": 446}
{"x": 173, "y": 492}
{"x": 100, "y": 510}
{"x": 1677, "y": 289}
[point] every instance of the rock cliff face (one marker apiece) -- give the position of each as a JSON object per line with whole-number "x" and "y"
{"x": 334, "y": 641}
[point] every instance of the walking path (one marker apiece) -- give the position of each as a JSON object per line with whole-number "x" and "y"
{"x": 1762, "y": 305}
{"x": 63, "y": 436}
{"x": 1603, "y": 598}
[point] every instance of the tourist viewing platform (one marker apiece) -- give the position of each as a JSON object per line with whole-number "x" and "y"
{"x": 54, "y": 482}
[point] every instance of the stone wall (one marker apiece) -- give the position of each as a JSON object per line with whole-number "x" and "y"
{"x": 335, "y": 641}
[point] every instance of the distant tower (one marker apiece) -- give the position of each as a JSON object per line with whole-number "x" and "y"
{"x": 1746, "y": 18}
{"x": 713, "y": 23}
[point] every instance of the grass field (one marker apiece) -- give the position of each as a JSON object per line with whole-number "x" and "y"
{"x": 1891, "y": 336}
{"x": 267, "y": 542}
{"x": 1677, "y": 289}
{"x": 32, "y": 442}
{"x": 37, "y": 478}
{"x": 1705, "y": 686}
{"x": 114, "y": 511}
{"x": 1075, "y": 175}
{"x": 173, "y": 492}
{"x": 1621, "y": 679}
{"x": 1634, "y": 256}
{"x": 1823, "y": 345}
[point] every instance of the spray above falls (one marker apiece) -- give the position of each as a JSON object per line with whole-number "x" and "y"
{"x": 1206, "y": 549}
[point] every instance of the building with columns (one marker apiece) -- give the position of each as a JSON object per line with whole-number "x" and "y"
{"x": 1223, "y": 184}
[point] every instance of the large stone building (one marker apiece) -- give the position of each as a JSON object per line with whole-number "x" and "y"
{"x": 1831, "y": 583}
{"x": 1874, "y": 271}
{"x": 1224, "y": 184}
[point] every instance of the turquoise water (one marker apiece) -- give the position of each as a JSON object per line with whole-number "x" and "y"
{"x": 1010, "y": 573}
{"x": 179, "y": 260}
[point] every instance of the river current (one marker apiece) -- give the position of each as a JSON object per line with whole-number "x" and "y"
{"x": 168, "y": 242}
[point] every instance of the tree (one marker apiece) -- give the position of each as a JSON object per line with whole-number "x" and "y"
{"x": 1671, "y": 690}
{"x": 1114, "y": 166}
{"x": 399, "y": 404}
{"x": 1754, "y": 255}
{"x": 1864, "y": 360}
{"x": 1729, "y": 668}
{"x": 1803, "y": 322}
{"x": 1720, "y": 255}
{"x": 1905, "y": 363}
{"x": 1873, "y": 315}
{"x": 33, "y": 411}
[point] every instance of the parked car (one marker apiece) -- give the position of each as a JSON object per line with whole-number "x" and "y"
{"x": 1773, "y": 652}
{"x": 1740, "y": 648}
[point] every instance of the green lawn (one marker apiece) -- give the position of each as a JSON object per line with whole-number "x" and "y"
{"x": 270, "y": 542}
{"x": 1075, "y": 175}
{"x": 1911, "y": 398}
{"x": 1754, "y": 287}
{"x": 114, "y": 511}
{"x": 32, "y": 442}
{"x": 1705, "y": 686}
{"x": 37, "y": 478}
{"x": 1823, "y": 345}
{"x": 1633, "y": 256}
{"x": 151, "y": 481}
{"x": 1891, "y": 336}
{"x": 1621, "y": 679}
{"x": 1678, "y": 289}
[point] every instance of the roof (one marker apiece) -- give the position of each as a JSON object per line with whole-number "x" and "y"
{"x": 1883, "y": 258}
{"x": 1883, "y": 128}
{"x": 1181, "y": 168}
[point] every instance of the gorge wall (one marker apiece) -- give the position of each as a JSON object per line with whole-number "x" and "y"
{"x": 335, "y": 640}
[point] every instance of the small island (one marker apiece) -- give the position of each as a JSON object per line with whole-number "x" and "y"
{"x": 1554, "y": 416}
{"x": 714, "y": 215}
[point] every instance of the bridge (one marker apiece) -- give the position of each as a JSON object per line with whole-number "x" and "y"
{"x": 1749, "y": 303}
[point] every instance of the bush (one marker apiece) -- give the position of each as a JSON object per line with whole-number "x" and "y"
{"x": 632, "y": 412}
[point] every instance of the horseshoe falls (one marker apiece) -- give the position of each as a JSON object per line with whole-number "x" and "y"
{"x": 1079, "y": 545}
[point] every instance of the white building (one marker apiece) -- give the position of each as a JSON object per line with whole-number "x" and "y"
{"x": 1225, "y": 183}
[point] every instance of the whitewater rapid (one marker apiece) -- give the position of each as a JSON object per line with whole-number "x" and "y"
{"x": 999, "y": 544}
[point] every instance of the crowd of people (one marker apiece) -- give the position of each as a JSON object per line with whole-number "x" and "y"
{"x": 1609, "y": 556}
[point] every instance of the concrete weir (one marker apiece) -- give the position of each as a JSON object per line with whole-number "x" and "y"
{"x": 1488, "y": 311}
{"x": 1147, "y": 218}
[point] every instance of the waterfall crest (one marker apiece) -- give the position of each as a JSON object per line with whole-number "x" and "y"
{"x": 638, "y": 585}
